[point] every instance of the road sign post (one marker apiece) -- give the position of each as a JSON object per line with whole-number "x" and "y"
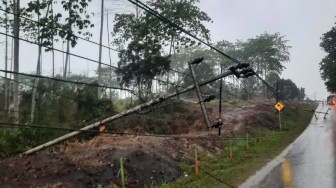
{"x": 280, "y": 121}
{"x": 279, "y": 107}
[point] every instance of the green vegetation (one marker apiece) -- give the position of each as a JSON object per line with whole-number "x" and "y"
{"x": 58, "y": 105}
{"x": 143, "y": 42}
{"x": 151, "y": 120}
{"x": 328, "y": 64}
{"x": 141, "y": 39}
{"x": 79, "y": 107}
{"x": 244, "y": 162}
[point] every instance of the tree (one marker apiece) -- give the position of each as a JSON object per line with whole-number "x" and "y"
{"x": 55, "y": 24}
{"x": 38, "y": 67}
{"x": 289, "y": 90}
{"x": 109, "y": 78}
{"x": 139, "y": 64}
{"x": 45, "y": 31}
{"x": 148, "y": 32}
{"x": 182, "y": 13}
{"x": 328, "y": 63}
{"x": 266, "y": 53}
{"x": 6, "y": 97}
{"x": 273, "y": 79}
{"x": 204, "y": 70}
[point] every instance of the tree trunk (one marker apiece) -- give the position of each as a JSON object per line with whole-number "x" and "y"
{"x": 69, "y": 63}
{"x": 100, "y": 48}
{"x": 108, "y": 40}
{"x": 52, "y": 51}
{"x": 16, "y": 31}
{"x": 265, "y": 88}
{"x": 53, "y": 59}
{"x": 170, "y": 49}
{"x": 68, "y": 50}
{"x": 10, "y": 93}
{"x": 66, "y": 60}
{"x": 38, "y": 72}
{"x": 6, "y": 67}
{"x": 63, "y": 57}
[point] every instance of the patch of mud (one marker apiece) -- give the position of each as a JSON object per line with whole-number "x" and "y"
{"x": 146, "y": 160}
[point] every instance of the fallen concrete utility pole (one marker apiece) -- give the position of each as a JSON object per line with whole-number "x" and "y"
{"x": 130, "y": 111}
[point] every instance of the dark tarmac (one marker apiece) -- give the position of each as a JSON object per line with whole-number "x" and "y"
{"x": 310, "y": 161}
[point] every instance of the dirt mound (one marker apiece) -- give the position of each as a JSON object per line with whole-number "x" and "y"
{"x": 237, "y": 118}
{"x": 147, "y": 159}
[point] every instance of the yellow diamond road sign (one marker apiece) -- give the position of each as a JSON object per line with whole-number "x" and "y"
{"x": 279, "y": 106}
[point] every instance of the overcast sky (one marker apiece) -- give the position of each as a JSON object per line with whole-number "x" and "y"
{"x": 302, "y": 22}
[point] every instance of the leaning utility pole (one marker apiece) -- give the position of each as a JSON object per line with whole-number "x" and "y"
{"x": 233, "y": 70}
{"x": 220, "y": 102}
{"x": 198, "y": 91}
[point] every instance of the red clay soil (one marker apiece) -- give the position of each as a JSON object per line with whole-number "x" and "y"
{"x": 147, "y": 160}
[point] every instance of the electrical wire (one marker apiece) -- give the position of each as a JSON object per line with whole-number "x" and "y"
{"x": 17, "y": 125}
{"x": 214, "y": 177}
{"x": 65, "y": 81}
{"x": 174, "y": 84}
{"x": 96, "y": 43}
{"x": 85, "y": 58}
{"x": 50, "y": 92}
{"x": 45, "y": 25}
{"x": 164, "y": 19}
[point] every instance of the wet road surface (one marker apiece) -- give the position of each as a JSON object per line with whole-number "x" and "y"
{"x": 310, "y": 161}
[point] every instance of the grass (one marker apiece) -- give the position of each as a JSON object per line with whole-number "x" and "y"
{"x": 244, "y": 162}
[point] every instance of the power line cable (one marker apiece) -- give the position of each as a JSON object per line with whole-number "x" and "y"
{"x": 51, "y": 48}
{"x": 17, "y": 125}
{"x": 96, "y": 43}
{"x": 164, "y": 19}
{"x": 216, "y": 178}
{"x": 50, "y": 92}
{"x": 66, "y": 81}
{"x": 45, "y": 25}
{"x": 158, "y": 15}
{"x": 82, "y": 58}
{"x": 174, "y": 84}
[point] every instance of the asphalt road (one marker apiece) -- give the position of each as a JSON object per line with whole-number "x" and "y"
{"x": 310, "y": 161}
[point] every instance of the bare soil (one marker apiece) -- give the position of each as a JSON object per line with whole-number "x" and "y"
{"x": 147, "y": 160}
